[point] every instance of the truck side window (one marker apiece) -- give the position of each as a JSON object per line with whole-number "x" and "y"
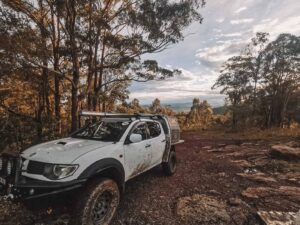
{"x": 154, "y": 129}
{"x": 141, "y": 129}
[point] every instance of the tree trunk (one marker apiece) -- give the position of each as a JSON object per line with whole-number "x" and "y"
{"x": 55, "y": 46}
{"x": 90, "y": 63}
{"x": 71, "y": 26}
{"x": 98, "y": 84}
{"x": 57, "y": 96}
{"x": 74, "y": 107}
{"x": 44, "y": 103}
{"x": 95, "y": 91}
{"x": 45, "y": 71}
{"x": 39, "y": 128}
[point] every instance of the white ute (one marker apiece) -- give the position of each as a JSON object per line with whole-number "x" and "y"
{"x": 93, "y": 163}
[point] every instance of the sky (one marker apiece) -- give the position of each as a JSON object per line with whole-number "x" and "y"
{"x": 227, "y": 27}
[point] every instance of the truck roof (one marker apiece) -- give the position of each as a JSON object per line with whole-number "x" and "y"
{"x": 170, "y": 124}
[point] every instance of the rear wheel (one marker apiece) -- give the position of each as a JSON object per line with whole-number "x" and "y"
{"x": 98, "y": 203}
{"x": 169, "y": 167}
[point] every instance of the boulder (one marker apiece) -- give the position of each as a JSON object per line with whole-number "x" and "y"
{"x": 293, "y": 144}
{"x": 290, "y": 176}
{"x": 277, "y": 218}
{"x": 285, "y": 152}
{"x": 235, "y": 201}
{"x": 231, "y": 147}
{"x": 261, "y": 177}
{"x": 290, "y": 192}
{"x": 241, "y": 163}
{"x": 246, "y": 144}
{"x": 207, "y": 147}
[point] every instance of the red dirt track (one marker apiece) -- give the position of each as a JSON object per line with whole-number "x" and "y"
{"x": 152, "y": 198}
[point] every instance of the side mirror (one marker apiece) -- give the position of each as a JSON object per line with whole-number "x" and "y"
{"x": 134, "y": 138}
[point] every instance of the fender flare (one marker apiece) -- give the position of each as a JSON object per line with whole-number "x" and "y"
{"x": 101, "y": 165}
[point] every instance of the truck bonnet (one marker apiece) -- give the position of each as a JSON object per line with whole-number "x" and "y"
{"x": 62, "y": 151}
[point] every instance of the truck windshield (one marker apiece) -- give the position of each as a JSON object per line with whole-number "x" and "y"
{"x": 110, "y": 131}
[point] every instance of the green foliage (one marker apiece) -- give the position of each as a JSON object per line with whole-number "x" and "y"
{"x": 220, "y": 110}
{"x": 82, "y": 54}
{"x": 261, "y": 83}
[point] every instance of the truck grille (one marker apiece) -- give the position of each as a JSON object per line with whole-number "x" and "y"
{"x": 35, "y": 167}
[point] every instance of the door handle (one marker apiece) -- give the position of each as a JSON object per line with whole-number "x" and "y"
{"x": 148, "y": 146}
{"x": 163, "y": 140}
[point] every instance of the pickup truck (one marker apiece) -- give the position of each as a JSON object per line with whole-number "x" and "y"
{"x": 94, "y": 163}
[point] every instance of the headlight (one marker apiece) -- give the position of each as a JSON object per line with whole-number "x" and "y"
{"x": 56, "y": 172}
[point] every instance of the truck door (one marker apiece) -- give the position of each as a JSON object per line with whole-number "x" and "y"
{"x": 137, "y": 156}
{"x": 157, "y": 140}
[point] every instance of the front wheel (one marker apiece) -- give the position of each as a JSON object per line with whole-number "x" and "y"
{"x": 98, "y": 203}
{"x": 169, "y": 168}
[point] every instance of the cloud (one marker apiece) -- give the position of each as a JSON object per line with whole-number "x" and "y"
{"x": 236, "y": 34}
{"x": 217, "y": 30}
{"x": 220, "y": 20}
{"x": 266, "y": 20}
{"x": 248, "y": 20}
{"x": 227, "y": 27}
{"x": 276, "y": 26}
{"x": 220, "y": 52}
{"x": 182, "y": 88}
{"x": 241, "y": 9}
{"x": 231, "y": 40}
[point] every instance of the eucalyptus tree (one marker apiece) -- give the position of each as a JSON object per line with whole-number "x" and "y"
{"x": 235, "y": 82}
{"x": 254, "y": 55}
{"x": 281, "y": 76}
{"x": 96, "y": 46}
{"x": 260, "y": 82}
{"x": 43, "y": 18}
{"x": 113, "y": 34}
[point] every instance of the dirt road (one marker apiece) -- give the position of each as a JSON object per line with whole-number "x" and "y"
{"x": 217, "y": 182}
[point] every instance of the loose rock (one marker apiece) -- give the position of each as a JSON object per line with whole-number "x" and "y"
{"x": 285, "y": 152}
{"x": 202, "y": 209}
{"x": 231, "y": 147}
{"x": 261, "y": 177}
{"x": 241, "y": 163}
{"x": 261, "y": 192}
{"x": 235, "y": 201}
{"x": 278, "y": 218}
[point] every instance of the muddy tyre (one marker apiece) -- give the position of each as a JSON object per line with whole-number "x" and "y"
{"x": 169, "y": 168}
{"x": 97, "y": 204}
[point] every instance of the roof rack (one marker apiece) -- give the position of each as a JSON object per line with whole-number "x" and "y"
{"x": 103, "y": 114}
{"x": 117, "y": 115}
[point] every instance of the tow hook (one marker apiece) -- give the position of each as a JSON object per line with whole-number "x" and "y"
{"x": 49, "y": 211}
{"x": 9, "y": 196}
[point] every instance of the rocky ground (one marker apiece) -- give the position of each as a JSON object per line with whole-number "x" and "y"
{"x": 217, "y": 182}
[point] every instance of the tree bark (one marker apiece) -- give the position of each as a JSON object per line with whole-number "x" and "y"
{"x": 74, "y": 102}
{"x": 98, "y": 84}
{"x": 55, "y": 49}
{"x": 90, "y": 62}
{"x": 71, "y": 22}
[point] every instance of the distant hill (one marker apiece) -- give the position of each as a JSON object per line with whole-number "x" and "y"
{"x": 180, "y": 107}
{"x": 186, "y": 107}
{"x": 177, "y": 107}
